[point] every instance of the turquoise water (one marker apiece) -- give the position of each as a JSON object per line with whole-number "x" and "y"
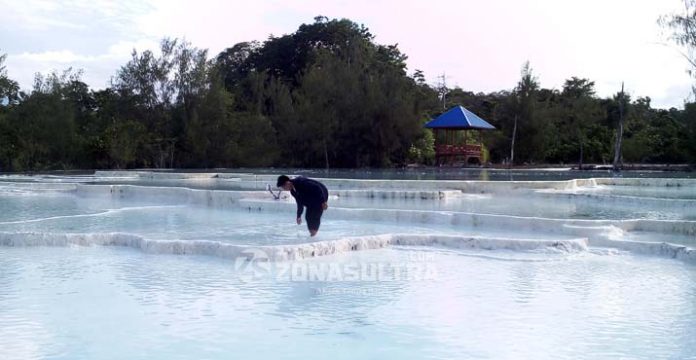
{"x": 528, "y": 273}
{"x": 181, "y": 222}
{"x": 104, "y": 303}
{"x": 521, "y": 206}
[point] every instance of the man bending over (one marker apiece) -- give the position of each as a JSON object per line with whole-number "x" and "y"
{"x": 310, "y": 194}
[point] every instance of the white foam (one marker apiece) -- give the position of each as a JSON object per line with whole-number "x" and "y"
{"x": 491, "y": 243}
{"x": 285, "y": 252}
{"x": 322, "y": 248}
{"x": 663, "y": 249}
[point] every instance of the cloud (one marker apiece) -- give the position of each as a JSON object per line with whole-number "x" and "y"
{"x": 215, "y": 25}
{"x": 64, "y": 56}
{"x": 34, "y": 15}
{"x": 120, "y": 50}
{"x": 481, "y": 46}
{"x": 71, "y": 14}
{"x": 98, "y": 69}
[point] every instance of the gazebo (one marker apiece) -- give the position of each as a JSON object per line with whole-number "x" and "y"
{"x": 452, "y": 142}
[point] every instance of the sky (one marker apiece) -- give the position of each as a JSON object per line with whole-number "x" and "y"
{"x": 480, "y": 45}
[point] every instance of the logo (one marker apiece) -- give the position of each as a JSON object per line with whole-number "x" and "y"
{"x": 255, "y": 264}
{"x": 252, "y": 264}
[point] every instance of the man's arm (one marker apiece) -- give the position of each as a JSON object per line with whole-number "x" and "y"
{"x": 300, "y": 208}
{"x": 324, "y": 191}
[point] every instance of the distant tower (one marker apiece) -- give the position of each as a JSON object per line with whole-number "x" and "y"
{"x": 443, "y": 90}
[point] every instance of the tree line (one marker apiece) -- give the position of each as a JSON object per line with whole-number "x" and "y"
{"x": 326, "y": 95}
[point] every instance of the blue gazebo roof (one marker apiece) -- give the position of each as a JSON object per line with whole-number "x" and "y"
{"x": 459, "y": 118}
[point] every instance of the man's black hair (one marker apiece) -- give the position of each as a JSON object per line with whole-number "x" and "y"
{"x": 282, "y": 179}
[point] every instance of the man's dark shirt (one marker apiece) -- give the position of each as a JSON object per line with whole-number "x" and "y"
{"x": 309, "y": 193}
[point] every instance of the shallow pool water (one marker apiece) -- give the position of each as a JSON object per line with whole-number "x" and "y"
{"x": 21, "y": 203}
{"x": 518, "y": 206}
{"x": 184, "y": 222}
{"x": 102, "y": 303}
{"x": 598, "y": 268}
{"x": 685, "y": 192}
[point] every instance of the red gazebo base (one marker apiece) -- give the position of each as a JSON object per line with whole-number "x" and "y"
{"x": 448, "y": 154}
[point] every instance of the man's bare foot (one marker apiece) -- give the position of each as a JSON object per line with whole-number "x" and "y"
{"x": 312, "y": 232}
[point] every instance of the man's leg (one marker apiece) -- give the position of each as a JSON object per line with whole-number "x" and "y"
{"x": 313, "y": 218}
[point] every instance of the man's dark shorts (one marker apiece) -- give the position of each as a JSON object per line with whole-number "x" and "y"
{"x": 313, "y": 217}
